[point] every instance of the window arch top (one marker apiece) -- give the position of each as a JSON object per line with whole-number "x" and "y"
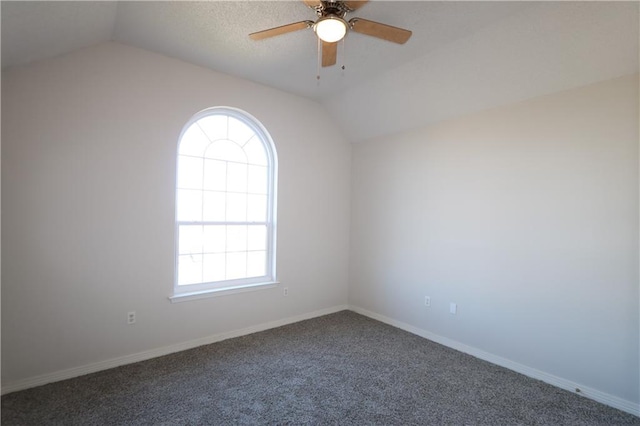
{"x": 219, "y": 135}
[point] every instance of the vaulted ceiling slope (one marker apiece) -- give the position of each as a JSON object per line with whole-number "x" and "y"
{"x": 462, "y": 57}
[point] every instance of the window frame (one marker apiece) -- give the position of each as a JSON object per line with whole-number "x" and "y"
{"x": 215, "y": 288}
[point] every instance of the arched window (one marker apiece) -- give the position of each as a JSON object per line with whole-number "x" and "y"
{"x": 225, "y": 203}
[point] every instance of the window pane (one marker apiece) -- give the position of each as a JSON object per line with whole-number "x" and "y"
{"x": 236, "y": 238}
{"x": 215, "y": 175}
{"x": 190, "y": 239}
{"x": 189, "y": 269}
{"x": 214, "y": 268}
{"x": 215, "y": 239}
{"x": 255, "y": 152}
{"x": 236, "y": 177}
{"x": 193, "y": 142}
{"x": 257, "y": 208}
{"x": 189, "y": 172}
{"x": 256, "y": 264}
{"x": 257, "y": 180}
{"x": 239, "y": 132}
{"x": 236, "y": 265}
{"x": 257, "y": 237}
{"x": 226, "y": 150}
{"x": 189, "y": 205}
{"x": 214, "y": 206}
{"x": 236, "y": 207}
{"x": 214, "y": 126}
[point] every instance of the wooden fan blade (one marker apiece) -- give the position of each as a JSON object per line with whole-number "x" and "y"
{"x": 272, "y": 32}
{"x": 383, "y": 31}
{"x": 355, "y": 4}
{"x": 312, "y": 3}
{"x": 329, "y": 53}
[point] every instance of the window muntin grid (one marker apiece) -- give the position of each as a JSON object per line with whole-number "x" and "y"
{"x": 225, "y": 203}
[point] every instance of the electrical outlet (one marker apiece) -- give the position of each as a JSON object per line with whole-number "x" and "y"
{"x": 285, "y": 291}
{"x": 427, "y": 301}
{"x": 131, "y": 317}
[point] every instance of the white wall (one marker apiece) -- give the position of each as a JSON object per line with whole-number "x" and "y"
{"x": 526, "y": 216}
{"x": 88, "y": 171}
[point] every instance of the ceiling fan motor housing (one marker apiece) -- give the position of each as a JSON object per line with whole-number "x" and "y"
{"x": 336, "y": 8}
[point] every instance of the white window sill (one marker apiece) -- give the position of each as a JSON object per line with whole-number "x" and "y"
{"x": 184, "y": 297}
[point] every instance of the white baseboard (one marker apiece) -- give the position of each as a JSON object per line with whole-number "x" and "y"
{"x": 596, "y": 395}
{"x": 153, "y": 353}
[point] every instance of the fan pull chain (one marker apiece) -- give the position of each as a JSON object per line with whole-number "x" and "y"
{"x": 344, "y": 54}
{"x": 319, "y": 60}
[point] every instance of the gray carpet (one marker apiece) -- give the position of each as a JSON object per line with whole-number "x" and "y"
{"x": 338, "y": 369}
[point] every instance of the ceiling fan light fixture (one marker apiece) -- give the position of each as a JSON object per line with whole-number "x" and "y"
{"x": 331, "y": 28}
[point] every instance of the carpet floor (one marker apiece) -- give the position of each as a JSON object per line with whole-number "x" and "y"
{"x": 340, "y": 369}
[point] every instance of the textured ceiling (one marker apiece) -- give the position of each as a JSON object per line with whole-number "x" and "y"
{"x": 462, "y": 57}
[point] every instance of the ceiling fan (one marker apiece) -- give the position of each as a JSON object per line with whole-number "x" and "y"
{"x": 331, "y": 27}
